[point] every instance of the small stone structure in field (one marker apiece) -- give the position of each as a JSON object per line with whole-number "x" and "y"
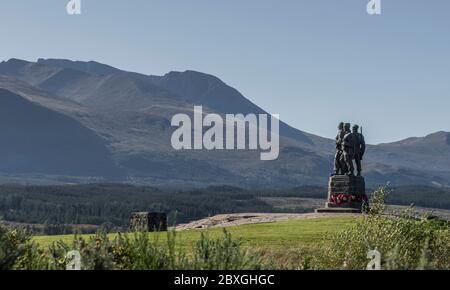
{"x": 148, "y": 222}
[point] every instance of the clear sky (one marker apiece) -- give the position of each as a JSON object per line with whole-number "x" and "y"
{"x": 315, "y": 62}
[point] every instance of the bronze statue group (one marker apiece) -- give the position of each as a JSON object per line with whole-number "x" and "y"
{"x": 350, "y": 147}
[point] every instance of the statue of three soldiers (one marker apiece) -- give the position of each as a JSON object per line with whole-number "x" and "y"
{"x": 350, "y": 145}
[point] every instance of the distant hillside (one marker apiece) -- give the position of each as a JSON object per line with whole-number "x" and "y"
{"x": 424, "y": 160}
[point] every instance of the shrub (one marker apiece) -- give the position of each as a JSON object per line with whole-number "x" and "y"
{"x": 140, "y": 251}
{"x": 404, "y": 241}
{"x": 143, "y": 252}
{"x": 13, "y": 244}
{"x": 223, "y": 254}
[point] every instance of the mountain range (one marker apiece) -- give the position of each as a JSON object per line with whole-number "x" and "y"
{"x": 65, "y": 121}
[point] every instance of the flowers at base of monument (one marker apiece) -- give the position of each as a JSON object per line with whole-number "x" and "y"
{"x": 340, "y": 198}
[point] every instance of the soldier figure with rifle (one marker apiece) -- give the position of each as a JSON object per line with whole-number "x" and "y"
{"x": 359, "y": 146}
{"x": 339, "y": 165}
{"x": 353, "y": 147}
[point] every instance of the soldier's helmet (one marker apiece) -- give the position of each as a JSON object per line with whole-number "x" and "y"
{"x": 341, "y": 126}
{"x": 355, "y": 128}
{"x": 347, "y": 126}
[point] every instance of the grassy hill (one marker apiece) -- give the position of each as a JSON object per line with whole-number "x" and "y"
{"x": 277, "y": 235}
{"x": 284, "y": 241}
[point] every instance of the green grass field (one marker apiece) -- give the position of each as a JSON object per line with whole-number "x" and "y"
{"x": 285, "y": 241}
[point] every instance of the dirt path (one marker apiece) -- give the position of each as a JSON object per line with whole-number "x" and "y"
{"x": 227, "y": 220}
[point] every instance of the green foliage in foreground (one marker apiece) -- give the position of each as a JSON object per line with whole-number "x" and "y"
{"x": 13, "y": 245}
{"x": 140, "y": 251}
{"x": 404, "y": 242}
{"x": 324, "y": 243}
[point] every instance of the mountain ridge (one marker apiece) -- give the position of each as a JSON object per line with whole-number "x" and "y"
{"x": 132, "y": 112}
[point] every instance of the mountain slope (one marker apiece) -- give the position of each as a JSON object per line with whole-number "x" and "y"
{"x": 35, "y": 139}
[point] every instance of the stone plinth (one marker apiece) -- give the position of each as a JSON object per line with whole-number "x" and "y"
{"x": 346, "y": 194}
{"x": 148, "y": 222}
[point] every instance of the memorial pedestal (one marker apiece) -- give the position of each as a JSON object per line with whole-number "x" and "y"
{"x": 346, "y": 194}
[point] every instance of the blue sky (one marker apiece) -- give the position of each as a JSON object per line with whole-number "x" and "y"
{"x": 315, "y": 62}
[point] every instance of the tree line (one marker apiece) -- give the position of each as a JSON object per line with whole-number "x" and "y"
{"x": 110, "y": 205}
